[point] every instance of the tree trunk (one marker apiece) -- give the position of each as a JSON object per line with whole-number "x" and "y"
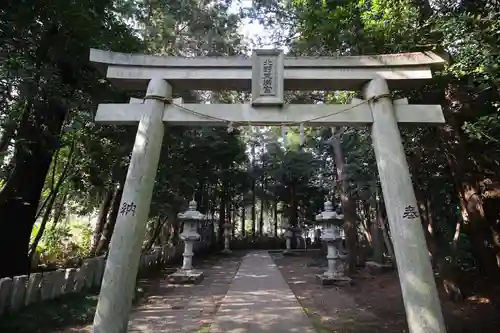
{"x": 60, "y": 209}
{"x": 101, "y": 219}
{"x": 53, "y": 195}
{"x": 481, "y": 233}
{"x": 294, "y": 204}
{"x": 156, "y": 232}
{"x": 222, "y": 219}
{"x": 349, "y": 207}
{"x": 8, "y": 134}
{"x": 254, "y": 203}
{"x": 243, "y": 217}
{"x": 175, "y": 227}
{"x": 233, "y": 219}
{"x": 261, "y": 217}
{"x": 377, "y": 234}
{"x": 200, "y": 197}
{"x": 377, "y": 242}
{"x": 35, "y": 144}
{"x": 262, "y": 200}
{"x": 387, "y": 238}
{"x": 365, "y": 223}
{"x": 165, "y": 231}
{"x": 275, "y": 211}
{"x": 229, "y": 213}
{"x": 109, "y": 226}
{"x": 449, "y": 273}
{"x": 293, "y": 213}
{"x": 212, "y": 225}
{"x": 43, "y": 224}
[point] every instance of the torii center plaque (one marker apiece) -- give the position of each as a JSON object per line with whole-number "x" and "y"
{"x": 267, "y": 78}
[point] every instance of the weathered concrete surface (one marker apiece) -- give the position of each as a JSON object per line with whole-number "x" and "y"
{"x": 309, "y": 114}
{"x": 144, "y": 60}
{"x": 420, "y": 297}
{"x": 133, "y": 71}
{"x": 260, "y": 301}
{"x": 118, "y": 283}
{"x": 191, "y": 276}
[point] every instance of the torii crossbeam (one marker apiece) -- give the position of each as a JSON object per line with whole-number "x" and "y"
{"x": 268, "y": 74}
{"x": 308, "y": 114}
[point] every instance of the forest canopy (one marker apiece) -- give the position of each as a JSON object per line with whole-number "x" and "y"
{"x": 57, "y": 163}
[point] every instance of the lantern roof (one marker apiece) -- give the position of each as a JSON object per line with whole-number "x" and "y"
{"x": 328, "y": 213}
{"x": 191, "y": 213}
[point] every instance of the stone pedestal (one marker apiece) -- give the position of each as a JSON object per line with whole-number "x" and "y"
{"x": 335, "y": 273}
{"x": 227, "y": 238}
{"x": 182, "y": 276}
{"x": 186, "y": 274}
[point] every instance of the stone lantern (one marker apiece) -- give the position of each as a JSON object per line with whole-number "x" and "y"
{"x": 290, "y": 231}
{"x": 332, "y": 235}
{"x": 191, "y": 219}
{"x": 288, "y": 239}
{"x": 228, "y": 227}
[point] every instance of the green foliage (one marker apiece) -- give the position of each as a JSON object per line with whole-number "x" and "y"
{"x": 63, "y": 242}
{"x": 473, "y": 43}
{"x": 45, "y": 51}
{"x": 47, "y": 44}
{"x": 467, "y": 34}
{"x": 68, "y": 310}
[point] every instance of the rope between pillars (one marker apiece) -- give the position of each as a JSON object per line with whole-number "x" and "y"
{"x": 376, "y": 98}
{"x": 232, "y": 123}
{"x": 165, "y": 100}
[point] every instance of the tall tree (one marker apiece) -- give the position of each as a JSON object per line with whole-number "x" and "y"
{"x": 47, "y": 45}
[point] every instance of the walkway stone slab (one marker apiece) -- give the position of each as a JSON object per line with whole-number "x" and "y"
{"x": 260, "y": 301}
{"x": 185, "y": 308}
{"x": 179, "y": 308}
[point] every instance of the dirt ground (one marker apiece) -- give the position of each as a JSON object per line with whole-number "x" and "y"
{"x": 374, "y": 304}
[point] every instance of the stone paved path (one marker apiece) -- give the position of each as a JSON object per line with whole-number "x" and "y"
{"x": 187, "y": 308}
{"x": 260, "y": 301}
{"x": 180, "y": 309}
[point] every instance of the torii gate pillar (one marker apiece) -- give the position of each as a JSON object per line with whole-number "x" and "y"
{"x": 420, "y": 297}
{"x": 117, "y": 290}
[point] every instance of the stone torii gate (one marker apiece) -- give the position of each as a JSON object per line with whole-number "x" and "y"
{"x": 268, "y": 74}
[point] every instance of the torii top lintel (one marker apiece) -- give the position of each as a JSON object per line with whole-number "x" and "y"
{"x": 133, "y": 71}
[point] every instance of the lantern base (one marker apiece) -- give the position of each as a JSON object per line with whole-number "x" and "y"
{"x": 288, "y": 252}
{"x": 329, "y": 279}
{"x": 182, "y": 276}
{"x": 227, "y": 251}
